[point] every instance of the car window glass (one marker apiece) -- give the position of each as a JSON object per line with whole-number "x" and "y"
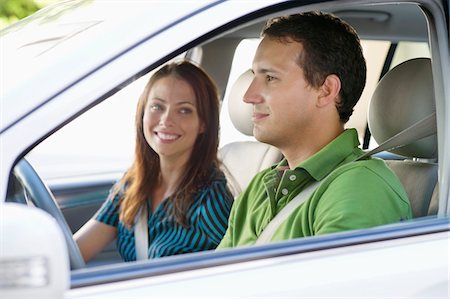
{"x": 409, "y": 50}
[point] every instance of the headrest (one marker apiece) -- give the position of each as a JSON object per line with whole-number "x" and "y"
{"x": 240, "y": 112}
{"x": 403, "y": 97}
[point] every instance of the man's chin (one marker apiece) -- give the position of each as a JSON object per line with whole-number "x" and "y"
{"x": 261, "y": 136}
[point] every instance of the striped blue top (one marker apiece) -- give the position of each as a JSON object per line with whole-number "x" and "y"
{"x": 207, "y": 218}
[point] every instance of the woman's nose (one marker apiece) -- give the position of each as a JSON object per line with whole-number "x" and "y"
{"x": 166, "y": 118}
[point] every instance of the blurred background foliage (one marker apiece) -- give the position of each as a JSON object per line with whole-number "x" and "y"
{"x": 14, "y": 10}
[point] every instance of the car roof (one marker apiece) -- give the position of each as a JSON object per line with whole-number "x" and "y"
{"x": 376, "y": 22}
{"x": 52, "y": 49}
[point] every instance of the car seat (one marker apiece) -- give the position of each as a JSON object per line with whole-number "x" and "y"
{"x": 242, "y": 160}
{"x": 403, "y": 97}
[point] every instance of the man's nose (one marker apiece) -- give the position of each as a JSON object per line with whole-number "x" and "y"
{"x": 253, "y": 93}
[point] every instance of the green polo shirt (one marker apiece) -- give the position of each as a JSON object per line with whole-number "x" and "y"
{"x": 355, "y": 195}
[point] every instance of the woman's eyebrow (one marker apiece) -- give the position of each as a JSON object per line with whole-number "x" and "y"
{"x": 185, "y": 102}
{"x": 178, "y": 103}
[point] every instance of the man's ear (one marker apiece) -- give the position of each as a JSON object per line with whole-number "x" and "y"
{"x": 329, "y": 91}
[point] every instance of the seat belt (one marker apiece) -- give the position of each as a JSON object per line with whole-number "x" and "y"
{"x": 273, "y": 225}
{"x": 141, "y": 235}
{"x": 421, "y": 129}
{"x": 424, "y": 128}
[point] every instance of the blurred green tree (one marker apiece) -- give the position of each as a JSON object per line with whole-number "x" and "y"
{"x": 13, "y": 10}
{"x": 17, "y": 9}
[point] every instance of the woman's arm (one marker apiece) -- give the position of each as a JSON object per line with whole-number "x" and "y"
{"x": 92, "y": 237}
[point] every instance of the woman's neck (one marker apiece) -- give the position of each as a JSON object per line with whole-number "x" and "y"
{"x": 168, "y": 181}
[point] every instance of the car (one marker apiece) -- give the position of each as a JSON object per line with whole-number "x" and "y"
{"x": 71, "y": 76}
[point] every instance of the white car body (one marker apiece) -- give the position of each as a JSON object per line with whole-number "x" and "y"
{"x": 53, "y": 70}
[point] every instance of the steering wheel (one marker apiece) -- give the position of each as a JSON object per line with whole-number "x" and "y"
{"x": 42, "y": 197}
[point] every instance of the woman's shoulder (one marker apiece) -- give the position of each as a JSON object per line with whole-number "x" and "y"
{"x": 117, "y": 191}
{"x": 214, "y": 177}
{"x": 217, "y": 174}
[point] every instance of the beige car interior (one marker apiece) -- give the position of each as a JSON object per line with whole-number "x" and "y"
{"x": 408, "y": 87}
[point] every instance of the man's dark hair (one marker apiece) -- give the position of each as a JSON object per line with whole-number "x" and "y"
{"x": 330, "y": 46}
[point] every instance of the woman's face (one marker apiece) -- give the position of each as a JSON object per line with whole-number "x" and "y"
{"x": 171, "y": 122}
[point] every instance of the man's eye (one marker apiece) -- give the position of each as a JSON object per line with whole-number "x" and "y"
{"x": 269, "y": 78}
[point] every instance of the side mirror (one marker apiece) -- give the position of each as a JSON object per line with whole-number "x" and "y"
{"x": 33, "y": 255}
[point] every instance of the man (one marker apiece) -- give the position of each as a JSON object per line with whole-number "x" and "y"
{"x": 309, "y": 72}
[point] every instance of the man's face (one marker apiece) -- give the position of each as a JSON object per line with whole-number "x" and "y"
{"x": 283, "y": 101}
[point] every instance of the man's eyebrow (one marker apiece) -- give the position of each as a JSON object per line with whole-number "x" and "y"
{"x": 265, "y": 71}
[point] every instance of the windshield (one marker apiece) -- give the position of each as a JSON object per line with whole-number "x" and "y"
{"x": 55, "y": 47}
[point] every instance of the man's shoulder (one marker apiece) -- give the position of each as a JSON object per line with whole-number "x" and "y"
{"x": 359, "y": 174}
{"x": 371, "y": 165}
{"x": 366, "y": 187}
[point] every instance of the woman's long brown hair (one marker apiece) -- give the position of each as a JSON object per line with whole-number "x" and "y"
{"x": 143, "y": 174}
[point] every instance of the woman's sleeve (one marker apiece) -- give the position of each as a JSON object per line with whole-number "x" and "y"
{"x": 109, "y": 211}
{"x": 215, "y": 210}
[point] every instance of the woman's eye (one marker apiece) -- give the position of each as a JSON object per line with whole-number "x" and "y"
{"x": 156, "y": 107}
{"x": 185, "y": 110}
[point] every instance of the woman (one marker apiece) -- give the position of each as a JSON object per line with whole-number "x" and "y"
{"x": 175, "y": 175}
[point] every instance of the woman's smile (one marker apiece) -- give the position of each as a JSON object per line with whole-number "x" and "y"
{"x": 167, "y": 137}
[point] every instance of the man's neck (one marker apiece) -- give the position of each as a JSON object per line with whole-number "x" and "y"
{"x": 300, "y": 150}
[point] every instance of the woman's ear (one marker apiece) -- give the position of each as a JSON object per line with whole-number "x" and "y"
{"x": 329, "y": 91}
